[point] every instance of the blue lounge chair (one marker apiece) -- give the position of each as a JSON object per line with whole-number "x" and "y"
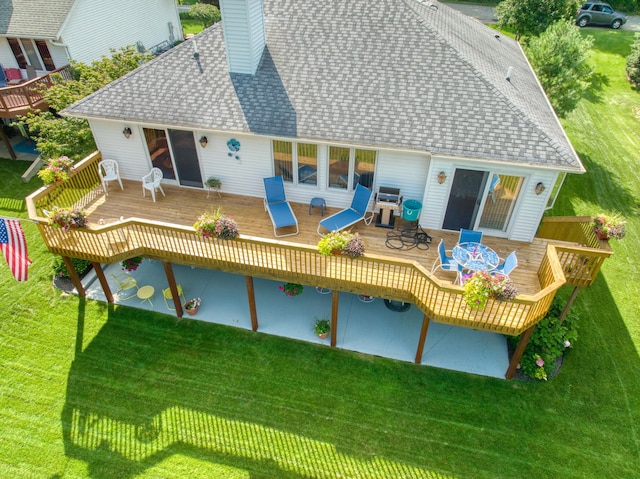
{"x": 345, "y": 218}
{"x": 470, "y": 236}
{"x": 3, "y": 77}
{"x": 276, "y": 204}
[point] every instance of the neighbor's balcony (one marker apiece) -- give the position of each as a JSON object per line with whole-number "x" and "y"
{"x": 163, "y": 231}
{"x": 18, "y": 99}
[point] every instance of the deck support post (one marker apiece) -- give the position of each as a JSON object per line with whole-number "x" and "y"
{"x": 7, "y": 143}
{"x": 73, "y": 275}
{"x": 567, "y": 307}
{"x": 97, "y": 267}
{"x": 335, "y": 296}
{"x": 423, "y": 338}
{"x": 171, "y": 279}
{"x": 252, "y": 303}
{"x": 517, "y": 354}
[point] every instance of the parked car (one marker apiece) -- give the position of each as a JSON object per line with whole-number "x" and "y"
{"x": 597, "y": 13}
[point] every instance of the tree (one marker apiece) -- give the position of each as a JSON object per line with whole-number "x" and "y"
{"x": 633, "y": 63}
{"x": 207, "y": 14}
{"x": 56, "y": 135}
{"x": 532, "y": 17}
{"x": 559, "y": 57}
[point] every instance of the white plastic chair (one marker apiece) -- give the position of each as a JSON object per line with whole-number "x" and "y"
{"x": 151, "y": 182}
{"x": 108, "y": 171}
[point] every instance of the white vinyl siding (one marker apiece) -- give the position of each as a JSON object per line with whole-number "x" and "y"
{"x": 93, "y": 28}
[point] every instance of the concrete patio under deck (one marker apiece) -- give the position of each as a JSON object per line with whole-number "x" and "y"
{"x": 369, "y": 328}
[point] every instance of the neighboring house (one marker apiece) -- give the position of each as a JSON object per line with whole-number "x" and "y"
{"x": 39, "y": 36}
{"x": 406, "y": 94}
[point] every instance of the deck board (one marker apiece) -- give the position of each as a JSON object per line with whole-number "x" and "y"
{"x": 182, "y": 206}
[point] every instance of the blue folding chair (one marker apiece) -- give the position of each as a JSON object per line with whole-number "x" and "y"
{"x": 508, "y": 265}
{"x": 275, "y": 202}
{"x": 349, "y": 216}
{"x": 470, "y": 236}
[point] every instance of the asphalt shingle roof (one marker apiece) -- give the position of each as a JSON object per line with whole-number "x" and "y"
{"x": 382, "y": 73}
{"x": 33, "y": 18}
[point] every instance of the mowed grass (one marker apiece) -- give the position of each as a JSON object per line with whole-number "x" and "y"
{"x": 88, "y": 390}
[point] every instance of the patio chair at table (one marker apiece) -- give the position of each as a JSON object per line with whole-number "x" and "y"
{"x": 357, "y": 211}
{"x": 108, "y": 171}
{"x": 276, "y": 204}
{"x": 446, "y": 262}
{"x": 166, "y": 294}
{"x": 508, "y": 265}
{"x": 125, "y": 282}
{"x": 469, "y": 236}
{"x": 151, "y": 182}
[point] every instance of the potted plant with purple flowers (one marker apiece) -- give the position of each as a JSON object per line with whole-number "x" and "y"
{"x": 66, "y": 218}
{"x": 291, "y": 289}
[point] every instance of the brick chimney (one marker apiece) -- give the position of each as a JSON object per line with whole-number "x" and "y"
{"x": 243, "y": 27}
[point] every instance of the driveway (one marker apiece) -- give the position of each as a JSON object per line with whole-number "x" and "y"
{"x": 487, "y": 15}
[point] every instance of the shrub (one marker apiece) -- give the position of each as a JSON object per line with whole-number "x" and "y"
{"x": 60, "y": 269}
{"x": 633, "y": 63}
{"x": 550, "y": 339}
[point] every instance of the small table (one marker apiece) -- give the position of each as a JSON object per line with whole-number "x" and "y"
{"x": 317, "y": 202}
{"x": 475, "y": 256}
{"x": 146, "y": 293}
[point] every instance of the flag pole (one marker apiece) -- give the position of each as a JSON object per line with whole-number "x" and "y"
{"x": 18, "y": 219}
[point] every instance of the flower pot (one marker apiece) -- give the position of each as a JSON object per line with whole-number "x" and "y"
{"x": 602, "y": 236}
{"x": 192, "y": 311}
{"x": 323, "y": 335}
{"x": 336, "y": 252}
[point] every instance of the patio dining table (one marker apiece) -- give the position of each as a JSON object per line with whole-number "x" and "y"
{"x": 475, "y": 256}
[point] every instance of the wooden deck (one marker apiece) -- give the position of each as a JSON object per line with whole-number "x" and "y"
{"x": 17, "y": 100}
{"x": 124, "y": 224}
{"x": 182, "y": 206}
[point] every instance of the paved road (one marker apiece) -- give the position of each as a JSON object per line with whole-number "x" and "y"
{"x": 487, "y": 15}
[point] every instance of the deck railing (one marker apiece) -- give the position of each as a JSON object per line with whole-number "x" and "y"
{"x": 376, "y": 275}
{"x": 15, "y": 100}
{"x": 580, "y": 265}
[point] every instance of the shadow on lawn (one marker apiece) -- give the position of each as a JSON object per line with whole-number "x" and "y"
{"x": 147, "y": 388}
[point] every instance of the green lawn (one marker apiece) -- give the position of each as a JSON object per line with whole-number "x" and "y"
{"x": 88, "y": 390}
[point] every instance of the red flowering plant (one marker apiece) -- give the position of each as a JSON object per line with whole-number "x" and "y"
{"x": 57, "y": 169}
{"x": 216, "y": 225}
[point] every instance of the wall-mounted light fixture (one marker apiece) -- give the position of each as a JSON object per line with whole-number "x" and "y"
{"x": 126, "y": 132}
{"x": 203, "y": 141}
{"x": 442, "y": 177}
{"x": 540, "y": 188}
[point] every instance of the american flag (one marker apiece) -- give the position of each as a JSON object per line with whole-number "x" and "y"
{"x": 14, "y": 248}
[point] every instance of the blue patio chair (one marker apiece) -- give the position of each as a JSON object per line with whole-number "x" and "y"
{"x": 508, "y": 265}
{"x": 470, "y": 236}
{"x": 276, "y": 204}
{"x": 492, "y": 187}
{"x": 349, "y": 216}
{"x": 3, "y": 77}
{"x": 446, "y": 262}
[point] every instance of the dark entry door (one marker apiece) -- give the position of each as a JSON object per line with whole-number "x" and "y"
{"x": 464, "y": 199}
{"x": 185, "y": 158}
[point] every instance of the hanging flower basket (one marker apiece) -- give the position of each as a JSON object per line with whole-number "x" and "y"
{"x": 57, "y": 169}
{"x": 341, "y": 243}
{"x": 66, "y": 218}
{"x": 291, "y": 289}
{"x": 216, "y": 225}
{"x": 609, "y": 226}
{"x": 131, "y": 264}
